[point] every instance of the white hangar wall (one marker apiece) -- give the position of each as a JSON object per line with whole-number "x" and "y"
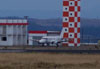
{"x": 13, "y": 32}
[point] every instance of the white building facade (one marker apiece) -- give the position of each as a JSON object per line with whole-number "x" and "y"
{"x": 13, "y": 32}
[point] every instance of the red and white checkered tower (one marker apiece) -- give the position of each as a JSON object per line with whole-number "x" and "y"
{"x": 71, "y": 22}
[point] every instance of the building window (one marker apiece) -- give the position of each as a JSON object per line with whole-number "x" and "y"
{"x": 65, "y": 8}
{"x": 70, "y": 35}
{"x": 4, "y": 38}
{"x": 71, "y": 3}
{"x": 66, "y": 30}
{"x": 70, "y": 24}
{"x": 66, "y": 19}
{"x": 71, "y": 14}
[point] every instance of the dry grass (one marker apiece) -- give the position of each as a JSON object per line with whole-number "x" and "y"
{"x": 49, "y": 61}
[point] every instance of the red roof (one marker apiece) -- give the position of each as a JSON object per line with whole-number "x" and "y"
{"x": 38, "y": 32}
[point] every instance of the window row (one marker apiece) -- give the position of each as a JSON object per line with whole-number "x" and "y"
{"x": 71, "y": 3}
{"x": 73, "y": 8}
{"x": 71, "y": 24}
{"x": 71, "y": 30}
{"x": 71, "y": 14}
{"x": 71, "y": 19}
{"x": 71, "y": 35}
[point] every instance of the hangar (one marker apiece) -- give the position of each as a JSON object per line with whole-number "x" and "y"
{"x": 13, "y": 32}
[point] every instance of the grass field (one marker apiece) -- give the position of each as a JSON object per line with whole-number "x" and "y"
{"x": 49, "y": 61}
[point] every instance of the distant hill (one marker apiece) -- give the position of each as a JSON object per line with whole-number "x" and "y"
{"x": 45, "y": 24}
{"x": 89, "y": 27}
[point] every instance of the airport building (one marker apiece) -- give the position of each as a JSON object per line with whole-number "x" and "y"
{"x": 13, "y": 32}
{"x": 37, "y": 35}
{"x": 71, "y": 22}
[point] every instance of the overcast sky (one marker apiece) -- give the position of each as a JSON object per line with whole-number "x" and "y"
{"x": 46, "y": 8}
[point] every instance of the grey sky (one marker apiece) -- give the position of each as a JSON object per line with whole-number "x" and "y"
{"x": 46, "y": 8}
